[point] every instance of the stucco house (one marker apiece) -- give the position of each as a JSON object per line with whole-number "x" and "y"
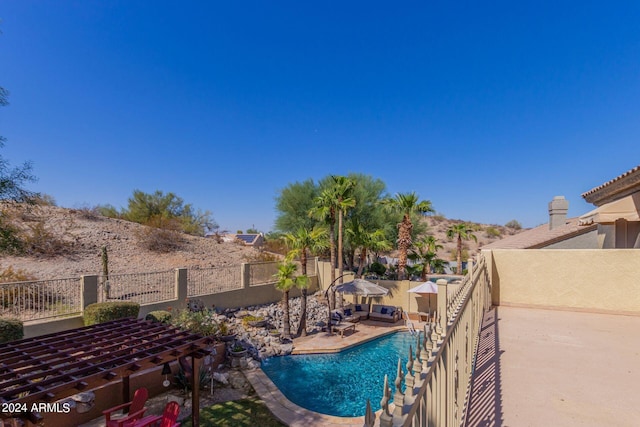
{"x": 617, "y": 215}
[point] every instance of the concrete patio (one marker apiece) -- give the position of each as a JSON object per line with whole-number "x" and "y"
{"x": 556, "y": 368}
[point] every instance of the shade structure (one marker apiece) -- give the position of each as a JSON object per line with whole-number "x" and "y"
{"x": 427, "y": 287}
{"x": 625, "y": 208}
{"x": 362, "y": 287}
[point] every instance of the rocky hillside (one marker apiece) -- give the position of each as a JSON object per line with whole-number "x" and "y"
{"x": 68, "y": 243}
{"x": 486, "y": 233}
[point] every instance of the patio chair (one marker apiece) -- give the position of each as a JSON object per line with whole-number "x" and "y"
{"x": 169, "y": 418}
{"x": 136, "y": 410}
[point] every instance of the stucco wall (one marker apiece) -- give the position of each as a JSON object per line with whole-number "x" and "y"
{"x": 582, "y": 279}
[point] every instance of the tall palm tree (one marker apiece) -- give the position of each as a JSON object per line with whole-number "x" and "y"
{"x": 425, "y": 251}
{"x": 299, "y": 243}
{"x": 329, "y": 206}
{"x": 365, "y": 239}
{"x": 324, "y": 210}
{"x": 461, "y": 231}
{"x": 342, "y": 187}
{"x": 406, "y": 204}
{"x": 284, "y": 282}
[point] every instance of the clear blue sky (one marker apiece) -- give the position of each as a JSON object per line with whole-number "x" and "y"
{"x": 488, "y": 109}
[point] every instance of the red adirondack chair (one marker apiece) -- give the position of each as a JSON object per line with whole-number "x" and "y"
{"x": 169, "y": 418}
{"x": 136, "y": 410}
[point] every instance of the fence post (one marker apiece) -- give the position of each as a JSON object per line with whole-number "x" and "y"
{"x": 442, "y": 305}
{"x": 89, "y": 290}
{"x": 245, "y": 275}
{"x": 181, "y": 292}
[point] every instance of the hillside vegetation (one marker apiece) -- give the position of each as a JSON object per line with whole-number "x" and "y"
{"x": 61, "y": 243}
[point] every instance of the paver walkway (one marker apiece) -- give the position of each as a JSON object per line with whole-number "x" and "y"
{"x": 556, "y": 368}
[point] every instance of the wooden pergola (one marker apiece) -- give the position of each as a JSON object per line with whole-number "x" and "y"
{"x": 51, "y": 367}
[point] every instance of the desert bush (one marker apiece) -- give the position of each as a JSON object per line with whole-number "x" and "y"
{"x": 492, "y": 232}
{"x": 105, "y": 311}
{"x": 9, "y": 275}
{"x": 10, "y": 242}
{"x": 377, "y": 268}
{"x": 262, "y": 257}
{"x": 89, "y": 213}
{"x": 514, "y": 224}
{"x": 198, "y": 322}
{"x": 43, "y": 199}
{"x": 159, "y": 239}
{"x": 108, "y": 211}
{"x": 159, "y": 316}
{"x": 11, "y": 330}
{"x": 38, "y": 240}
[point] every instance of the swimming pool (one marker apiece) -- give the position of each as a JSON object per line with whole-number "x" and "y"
{"x": 340, "y": 383}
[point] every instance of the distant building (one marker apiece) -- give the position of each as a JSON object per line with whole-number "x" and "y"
{"x": 256, "y": 240}
{"x": 559, "y": 233}
{"x": 617, "y": 216}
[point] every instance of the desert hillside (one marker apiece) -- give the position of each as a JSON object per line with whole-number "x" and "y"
{"x": 68, "y": 243}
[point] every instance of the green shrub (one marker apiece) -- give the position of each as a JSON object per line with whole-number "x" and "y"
{"x": 492, "y": 232}
{"x": 377, "y": 268}
{"x": 159, "y": 316}
{"x": 514, "y": 224}
{"x": 11, "y": 330}
{"x": 105, "y": 311}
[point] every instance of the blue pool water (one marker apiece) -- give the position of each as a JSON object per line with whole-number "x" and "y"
{"x": 340, "y": 383}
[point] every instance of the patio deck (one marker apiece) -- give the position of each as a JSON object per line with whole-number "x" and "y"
{"x": 556, "y": 368}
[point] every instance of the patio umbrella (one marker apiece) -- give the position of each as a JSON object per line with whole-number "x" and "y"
{"x": 362, "y": 287}
{"x": 424, "y": 290}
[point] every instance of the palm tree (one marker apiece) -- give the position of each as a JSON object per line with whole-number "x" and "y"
{"x": 332, "y": 202}
{"x": 407, "y": 204}
{"x": 461, "y": 231}
{"x": 299, "y": 243}
{"x": 342, "y": 187}
{"x": 324, "y": 210}
{"x": 424, "y": 253}
{"x": 284, "y": 282}
{"x": 365, "y": 240}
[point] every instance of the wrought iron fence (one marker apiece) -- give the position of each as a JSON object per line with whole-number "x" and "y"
{"x": 262, "y": 272}
{"x": 143, "y": 288}
{"x": 41, "y": 299}
{"x": 205, "y": 281}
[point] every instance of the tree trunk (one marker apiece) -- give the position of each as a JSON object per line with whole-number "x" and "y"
{"x": 404, "y": 243}
{"x": 332, "y": 244}
{"x": 363, "y": 257}
{"x": 340, "y": 255}
{"x": 302, "y": 327}
{"x": 286, "y": 329}
{"x": 459, "y": 266}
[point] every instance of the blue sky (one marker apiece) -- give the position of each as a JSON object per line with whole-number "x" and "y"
{"x": 488, "y": 109}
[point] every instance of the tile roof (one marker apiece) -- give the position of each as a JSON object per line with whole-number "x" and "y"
{"x": 541, "y": 236}
{"x": 597, "y": 189}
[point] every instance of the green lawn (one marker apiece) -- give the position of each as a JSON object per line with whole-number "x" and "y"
{"x": 250, "y": 412}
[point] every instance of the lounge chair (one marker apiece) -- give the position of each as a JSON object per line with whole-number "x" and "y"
{"x": 136, "y": 410}
{"x": 169, "y": 418}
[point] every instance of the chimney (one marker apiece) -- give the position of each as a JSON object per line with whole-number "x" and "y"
{"x": 558, "y": 208}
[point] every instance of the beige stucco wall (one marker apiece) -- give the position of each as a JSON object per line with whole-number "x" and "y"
{"x": 582, "y": 279}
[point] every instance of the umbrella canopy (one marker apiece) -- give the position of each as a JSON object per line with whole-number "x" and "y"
{"x": 362, "y": 287}
{"x": 427, "y": 287}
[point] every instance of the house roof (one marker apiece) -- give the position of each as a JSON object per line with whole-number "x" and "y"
{"x": 623, "y": 185}
{"x": 541, "y": 236}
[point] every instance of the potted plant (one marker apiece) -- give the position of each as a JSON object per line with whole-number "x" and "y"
{"x": 238, "y": 350}
{"x": 224, "y": 332}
